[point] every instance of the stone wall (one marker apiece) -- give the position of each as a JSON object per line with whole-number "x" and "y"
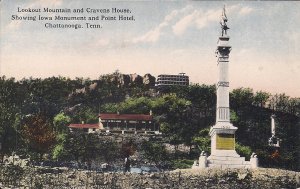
{"x": 208, "y": 178}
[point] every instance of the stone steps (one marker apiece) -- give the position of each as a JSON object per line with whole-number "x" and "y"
{"x": 218, "y": 162}
{"x": 226, "y": 158}
{"x": 245, "y": 166}
{"x": 224, "y": 162}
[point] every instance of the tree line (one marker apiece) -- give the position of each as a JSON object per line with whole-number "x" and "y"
{"x": 35, "y": 113}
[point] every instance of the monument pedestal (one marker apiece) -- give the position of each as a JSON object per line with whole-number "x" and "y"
{"x": 223, "y": 154}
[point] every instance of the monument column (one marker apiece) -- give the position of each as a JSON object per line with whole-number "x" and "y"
{"x": 223, "y": 154}
{"x": 222, "y": 134}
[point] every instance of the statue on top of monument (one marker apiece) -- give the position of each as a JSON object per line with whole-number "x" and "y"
{"x": 223, "y": 22}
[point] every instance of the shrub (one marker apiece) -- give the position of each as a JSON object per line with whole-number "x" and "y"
{"x": 244, "y": 151}
{"x": 182, "y": 163}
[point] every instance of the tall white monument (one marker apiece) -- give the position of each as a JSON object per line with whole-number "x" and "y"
{"x": 223, "y": 154}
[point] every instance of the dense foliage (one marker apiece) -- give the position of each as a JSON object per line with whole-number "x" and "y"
{"x": 35, "y": 112}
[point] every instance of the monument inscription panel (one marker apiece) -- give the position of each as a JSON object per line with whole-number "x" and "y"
{"x": 225, "y": 142}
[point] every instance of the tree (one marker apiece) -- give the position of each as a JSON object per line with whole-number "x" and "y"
{"x": 74, "y": 147}
{"x": 11, "y": 98}
{"x": 261, "y": 98}
{"x": 60, "y": 122}
{"x": 202, "y": 140}
{"x": 59, "y": 151}
{"x": 84, "y": 114}
{"x": 83, "y": 147}
{"x": 173, "y": 117}
{"x": 39, "y": 134}
{"x": 128, "y": 148}
{"x": 282, "y": 103}
{"x": 140, "y": 105}
{"x": 241, "y": 97}
{"x": 109, "y": 150}
{"x": 203, "y": 97}
{"x": 154, "y": 152}
{"x": 294, "y": 106}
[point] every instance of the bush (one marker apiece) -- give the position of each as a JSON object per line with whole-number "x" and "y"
{"x": 244, "y": 151}
{"x": 154, "y": 152}
{"x": 182, "y": 163}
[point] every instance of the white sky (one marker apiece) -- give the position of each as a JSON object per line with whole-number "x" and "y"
{"x": 166, "y": 37}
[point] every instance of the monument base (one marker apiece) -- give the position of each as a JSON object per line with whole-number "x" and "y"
{"x": 223, "y": 154}
{"x": 224, "y": 162}
{"x": 229, "y": 160}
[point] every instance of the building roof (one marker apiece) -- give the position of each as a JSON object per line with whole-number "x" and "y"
{"x": 84, "y": 126}
{"x": 132, "y": 117}
{"x": 180, "y": 75}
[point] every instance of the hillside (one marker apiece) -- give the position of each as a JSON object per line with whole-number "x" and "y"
{"x": 35, "y": 113}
